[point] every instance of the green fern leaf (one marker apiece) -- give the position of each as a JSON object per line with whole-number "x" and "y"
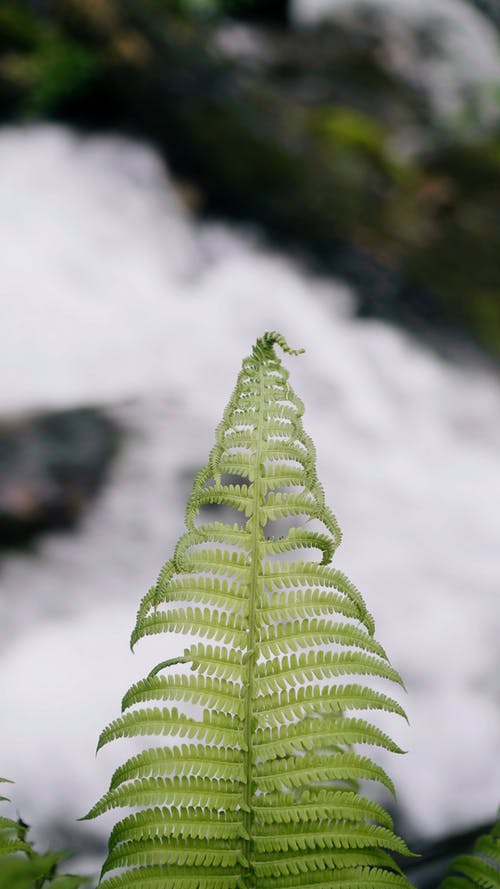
{"x": 184, "y": 791}
{"x": 23, "y": 868}
{"x": 296, "y": 703}
{"x": 177, "y": 823}
{"x": 153, "y": 721}
{"x": 175, "y": 877}
{"x": 220, "y": 695}
{"x": 260, "y": 787}
{"x": 480, "y": 869}
{"x": 190, "y": 759}
{"x": 312, "y": 767}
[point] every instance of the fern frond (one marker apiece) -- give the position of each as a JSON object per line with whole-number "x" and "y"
{"x": 8, "y": 847}
{"x": 307, "y": 574}
{"x": 333, "y": 730}
{"x": 23, "y": 868}
{"x": 346, "y": 878}
{"x": 185, "y": 852}
{"x": 280, "y": 673}
{"x": 340, "y": 811}
{"x": 480, "y": 869}
{"x": 224, "y": 593}
{"x": 205, "y": 793}
{"x": 292, "y": 604}
{"x": 12, "y": 833}
{"x": 345, "y": 835}
{"x": 300, "y": 538}
{"x": 192, "y": 759}
{"x": 219, "y": 627}
{"x": 313, "y": 768}
{"x": 159, "y": 877}
{"x": 224, "y": 663}
{"x": 303, "y": 634}
{"x": 187, "y": 822}
{"x": 215, "y": 728}
{"x": 30, "y": 872}
{"x": 8, "y": 827}
{"x": 260, "y": 788}
{"x": 215, "y": 532}
{"x": 217, "y": 694}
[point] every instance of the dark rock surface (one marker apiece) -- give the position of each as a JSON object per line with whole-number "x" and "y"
{"x": 51, "y": 466}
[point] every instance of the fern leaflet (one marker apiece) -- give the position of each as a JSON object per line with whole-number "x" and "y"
{"x": 23, "y": 868}
{"x": 481, "y": 868}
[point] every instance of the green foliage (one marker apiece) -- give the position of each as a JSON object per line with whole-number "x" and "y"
{"x": 43, "y": 65}
{"x": 480, "y": 869}
{"x": 258, "y": 783}
{"x": 23, "y": 868}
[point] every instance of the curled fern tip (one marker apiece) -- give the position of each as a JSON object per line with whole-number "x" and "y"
{"x": 270, "y": 339}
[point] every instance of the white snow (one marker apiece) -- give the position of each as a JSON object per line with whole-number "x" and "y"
{"x": 111, "y": 294}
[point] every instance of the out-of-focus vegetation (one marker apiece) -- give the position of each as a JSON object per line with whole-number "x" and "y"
{"x": 479, "y": 868}
{"x": 21, "y": 867}
{"x": 42, "y": 65}
{"x": 311, "y": 133}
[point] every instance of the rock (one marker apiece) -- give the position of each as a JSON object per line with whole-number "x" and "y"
{"x": 51, "y": 467}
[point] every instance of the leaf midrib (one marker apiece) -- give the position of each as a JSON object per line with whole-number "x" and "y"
{"x": 252, "y": 595}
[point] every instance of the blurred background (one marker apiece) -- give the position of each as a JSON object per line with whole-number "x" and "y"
{"x": 176, "y": 177}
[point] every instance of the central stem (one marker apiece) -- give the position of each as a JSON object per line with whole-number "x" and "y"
{"x": 252, "y": 595}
